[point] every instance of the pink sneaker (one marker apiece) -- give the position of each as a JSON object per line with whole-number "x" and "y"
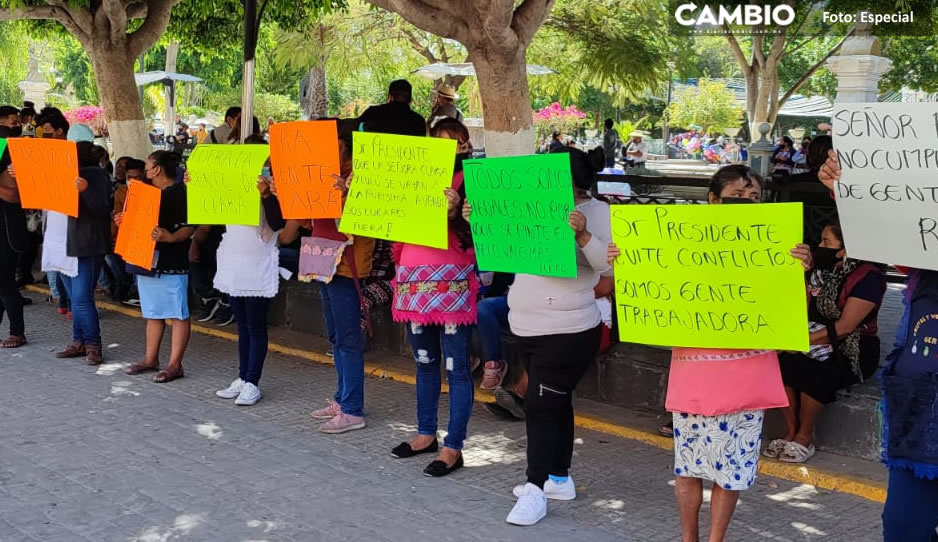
{"x": 342, "y": 423}
{"x": 495, "y": 372}
{"x": 328, "y": 412}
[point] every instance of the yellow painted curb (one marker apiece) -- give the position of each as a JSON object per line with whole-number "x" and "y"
{"x": 866, "y": 489}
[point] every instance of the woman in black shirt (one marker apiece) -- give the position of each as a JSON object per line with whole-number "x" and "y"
{"x": 13, "y": 240}
{"x": 164, "y": 294}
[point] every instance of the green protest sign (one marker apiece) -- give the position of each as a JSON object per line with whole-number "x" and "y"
{"x": 223, "y": 184}
{"x": 397, "y": 190}
{"x": 3, "y": 146}
{"x": 521, "y": 209}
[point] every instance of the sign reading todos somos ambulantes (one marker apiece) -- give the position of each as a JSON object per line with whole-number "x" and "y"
{"x": 887, "y": 195}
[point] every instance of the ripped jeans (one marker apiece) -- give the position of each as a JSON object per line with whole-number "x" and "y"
{"x": 555, "y": 365}
{"x": 432, "y": 343}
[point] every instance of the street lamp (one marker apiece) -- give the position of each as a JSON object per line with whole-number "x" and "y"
{"x": 666, "y": 132}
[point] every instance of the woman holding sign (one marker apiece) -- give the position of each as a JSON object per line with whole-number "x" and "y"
{"x": 248, "y": 272}
{"x": 435, "y": 293}
{"x": 718, "y": 399}
{"x": 13, "y": 241}
{"x": 560, "y": 329}
{"x": 164, "y": 293}
{"x": 910, "y": 422}
{"x": 89, "y": 239}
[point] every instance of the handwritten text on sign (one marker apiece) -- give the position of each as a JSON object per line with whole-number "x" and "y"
{"x": 887, "y": 196}
{"x": 305, "y": 156}
{"x": 141, "y": 214}
{"x": 710, "y": 276}
{"x": 46, "y": 170}
{"x": 521, "y": 209}
{"x": 223, "y": 187}
{"x": 397, "y": 191}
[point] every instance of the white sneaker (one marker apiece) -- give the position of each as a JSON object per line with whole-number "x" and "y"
{"x": 231, "y": 391}
{"x": 530, "y": 508}
{"x": 552, "y": 490}
{"x": 249, "y": 395}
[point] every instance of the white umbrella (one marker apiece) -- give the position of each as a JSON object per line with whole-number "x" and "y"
{"x": 166, "y": 79}
{"x": 440, "y": 70}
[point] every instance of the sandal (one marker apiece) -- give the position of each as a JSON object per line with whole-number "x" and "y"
{"x": 775, "y": 448}
{"x": 166, "y": 376}
{"x": 796, "y": 453}
{"x": 15, "y": 341}
{"x": 140, "y": 368}
{"x": 667, "y": 430}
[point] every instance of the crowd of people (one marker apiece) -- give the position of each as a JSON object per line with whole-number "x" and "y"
{"x": 718, "y": 397}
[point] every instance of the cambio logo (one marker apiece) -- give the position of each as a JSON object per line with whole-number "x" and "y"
{"x": 781, "y": 15}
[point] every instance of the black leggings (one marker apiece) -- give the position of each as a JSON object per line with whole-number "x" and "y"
{"x": 11, "y": 302}
{"x": 555, "y": 365}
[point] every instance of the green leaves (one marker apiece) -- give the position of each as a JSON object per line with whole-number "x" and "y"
{"x": 709, "y": 105}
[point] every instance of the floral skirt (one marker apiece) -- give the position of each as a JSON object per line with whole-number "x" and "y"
{"x": 723, "y": 449}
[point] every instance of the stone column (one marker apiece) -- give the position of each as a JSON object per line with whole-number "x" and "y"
{"x": 859, "y": 67}
{"x": 35, "y": 91}
{"x": 760, "y": 151}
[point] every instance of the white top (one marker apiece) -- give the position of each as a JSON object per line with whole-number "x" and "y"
{"x": 248, "y": 262}
{"x": 640, "y": 147}
{"x": 551, "y": 305}
{"x": 54, "y": 255}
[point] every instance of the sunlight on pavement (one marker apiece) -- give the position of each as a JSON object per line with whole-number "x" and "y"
{"x": 801, "y": 492}
{"x": 492, "y": 449}
{"x": 121, "y": 388}
{"x": 808, "y": 530}
{"x": 209, "y": 430}
{"x": 109, "y": 369}
{"x": 266, "y": 526}
{"x": 182, "y": 525}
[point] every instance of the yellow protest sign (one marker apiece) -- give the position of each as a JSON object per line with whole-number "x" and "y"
{"x": 223, "y": 184}
{"x": 710, "y": 276}
{"x": 397, "y": 191}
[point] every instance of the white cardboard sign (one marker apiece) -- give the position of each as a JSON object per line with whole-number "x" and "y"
{"x": 887, "y": 196}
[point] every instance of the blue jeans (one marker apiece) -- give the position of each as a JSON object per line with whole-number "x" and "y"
{"x": 493, "y": 314}
{"x": 911, "y": 511}
{"x": 431, "y": 344}
{"x": 251, "y": 315}
{"x": 57, "y": 287}
{"x": 85, "y": 326}
{"x": 343, "y": 312}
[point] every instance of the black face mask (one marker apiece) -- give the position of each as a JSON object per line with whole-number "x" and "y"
{"x": 825, "y": 258}
{"x": 731, "y": 201}
{"x": 459, "y": 160}
{"x": 16, "y": 131}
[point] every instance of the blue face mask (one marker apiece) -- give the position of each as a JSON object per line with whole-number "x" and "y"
{"x": 265, "y": 172}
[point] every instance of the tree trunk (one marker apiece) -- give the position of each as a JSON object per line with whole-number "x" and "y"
{"x": 506, "y": 105}
{"x": 315, "y": 100}
{"x": 169, "y": 97}
{"x": 114, "y": 74}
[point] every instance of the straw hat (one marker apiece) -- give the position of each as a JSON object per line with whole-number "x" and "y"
{"x": 447, "y": 91}
{"x": 637, "y": 133}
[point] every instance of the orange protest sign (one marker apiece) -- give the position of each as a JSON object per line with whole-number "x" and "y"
{"x": 141, "y": 214}
{"x": 304, "y": 156}
{"x": 46, "y": 170}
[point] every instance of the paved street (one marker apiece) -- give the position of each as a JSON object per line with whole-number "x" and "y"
{"x": 91, "y": 454}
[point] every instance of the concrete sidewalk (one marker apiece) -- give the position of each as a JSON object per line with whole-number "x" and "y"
{"x": 91, "y": 454}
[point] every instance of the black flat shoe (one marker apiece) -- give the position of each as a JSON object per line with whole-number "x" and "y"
{"x": 438, "y": 468}
{"x": 403, "y": 450}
